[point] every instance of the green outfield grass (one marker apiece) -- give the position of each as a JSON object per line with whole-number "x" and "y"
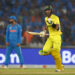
{"x": 36, "y": 72}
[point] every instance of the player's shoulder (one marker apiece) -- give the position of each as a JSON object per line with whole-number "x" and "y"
{"x": 9, "y": 25}
{"x": 55, "y": 16}
{"x": 18, "y": 25}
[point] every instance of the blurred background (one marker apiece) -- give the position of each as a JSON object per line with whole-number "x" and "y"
{"x": 30, "y": 16}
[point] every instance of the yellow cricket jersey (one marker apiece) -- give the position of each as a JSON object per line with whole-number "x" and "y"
{"x": 55, "y": 20}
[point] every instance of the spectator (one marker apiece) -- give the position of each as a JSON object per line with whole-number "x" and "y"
{"x": 73, "y": 34}
{"x": 2, "y": 40}
{"x": 67, "y": 35}
{"x": 27, "y": 37}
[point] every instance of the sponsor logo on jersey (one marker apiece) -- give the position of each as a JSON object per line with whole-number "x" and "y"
{"x": 12, "y": 30}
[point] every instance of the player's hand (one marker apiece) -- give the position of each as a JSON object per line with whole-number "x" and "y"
{"x": 18, "y": 44}
{"x": 7, "y": 44}
{"x": 43, "y": 33}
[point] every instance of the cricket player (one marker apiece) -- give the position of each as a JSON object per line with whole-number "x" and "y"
{"x": 13, "y": 40}
{"x": 53, "y": 43}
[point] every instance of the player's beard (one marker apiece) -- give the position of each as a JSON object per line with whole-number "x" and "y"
{"x": 10, "y": 22}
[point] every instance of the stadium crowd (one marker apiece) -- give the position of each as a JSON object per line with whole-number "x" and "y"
{"x": 30, "y": 15}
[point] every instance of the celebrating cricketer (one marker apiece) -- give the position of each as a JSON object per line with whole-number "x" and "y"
{"x": 53, "y": 43}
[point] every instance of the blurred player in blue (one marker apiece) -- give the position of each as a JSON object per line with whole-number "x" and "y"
{"x": 13, "y": 40}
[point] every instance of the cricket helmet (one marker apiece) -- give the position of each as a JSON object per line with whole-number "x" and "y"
{"x": 49, "y": 7}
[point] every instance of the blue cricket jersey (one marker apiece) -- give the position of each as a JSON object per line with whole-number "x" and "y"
{"x": 13, "y": 34}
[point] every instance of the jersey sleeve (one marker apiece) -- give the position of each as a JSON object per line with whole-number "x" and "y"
{"x": 56, "y": 20}
{"x": 7, "y": 34}
{"x": 19, "y": 34}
